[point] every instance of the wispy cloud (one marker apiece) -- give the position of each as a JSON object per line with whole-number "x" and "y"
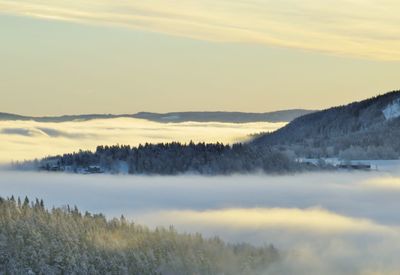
{"x": 367, "y": 29}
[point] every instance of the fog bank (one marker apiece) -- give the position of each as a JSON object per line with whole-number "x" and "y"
{"x": 325, "y": 223}
{"x": 21, "y": 140}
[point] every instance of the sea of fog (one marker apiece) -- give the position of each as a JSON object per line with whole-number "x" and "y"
{"x": 21, "y": 140}
{"x": 324, "y": 223}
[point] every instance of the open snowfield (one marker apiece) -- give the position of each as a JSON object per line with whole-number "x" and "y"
{"x": 326, "y": 223}
{"x": 21, "y": 140}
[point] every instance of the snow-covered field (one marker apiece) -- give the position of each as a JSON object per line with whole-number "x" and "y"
{"x": 21, "y": 140}
{"x": 327, "y": 223}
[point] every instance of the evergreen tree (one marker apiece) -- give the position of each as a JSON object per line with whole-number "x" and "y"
{"x": 34, "y": 240}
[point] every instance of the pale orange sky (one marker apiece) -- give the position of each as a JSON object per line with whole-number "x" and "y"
{"x": 69, "y": 57}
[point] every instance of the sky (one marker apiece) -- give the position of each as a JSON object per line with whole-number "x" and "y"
{"x": 102, "y": 56}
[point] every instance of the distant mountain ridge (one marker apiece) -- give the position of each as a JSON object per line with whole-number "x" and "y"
{"x": 228, "y": 117}
{"x": 365, "y": 129}
{"x": 64, "y": 118}
{"x": 235, "y": 117}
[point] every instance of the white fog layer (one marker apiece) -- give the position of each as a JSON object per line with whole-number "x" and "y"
{"x": 325, "y": 223}
{"x": 21, "y": 140}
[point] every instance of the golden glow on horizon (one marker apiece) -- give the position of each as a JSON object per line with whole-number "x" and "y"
{"x": 367, "y": 28}
{"x": 21, "y": 140}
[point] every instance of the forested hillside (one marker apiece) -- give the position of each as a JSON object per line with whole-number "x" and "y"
{"x": 34, "y": 240}
{"x": 368, "y": 129}
{"x": 171, "y": 159}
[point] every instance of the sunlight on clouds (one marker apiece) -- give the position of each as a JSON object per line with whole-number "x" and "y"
{"x": 313, "y": 240}
{"x": 384, "y": 183}
{"x": 323, "y": 223}
{"x": 21, "y": 140}
{"x": 315, "y": 220}
{"x": 366, "y": 29}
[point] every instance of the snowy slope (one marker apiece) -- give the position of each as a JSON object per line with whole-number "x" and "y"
{"x": 392, "y": 110}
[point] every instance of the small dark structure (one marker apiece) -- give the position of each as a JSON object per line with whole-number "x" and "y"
{"x": 353, "y": 166}
{"x": 55, "y": 168}
{"x": 52, "y": 168}
{"x": 93, "y": 169}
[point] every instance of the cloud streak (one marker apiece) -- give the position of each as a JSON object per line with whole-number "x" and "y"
{"x": 367, "y": 29}
{"x": 313, "y": 220}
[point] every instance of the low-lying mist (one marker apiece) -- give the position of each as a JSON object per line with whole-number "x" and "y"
{"x": 325, "y": 223}
{"x": 21, "y": 140}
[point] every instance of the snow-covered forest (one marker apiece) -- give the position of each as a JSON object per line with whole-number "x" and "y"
{"x": 34, "y": 240}
{"x": 171, "y": 159}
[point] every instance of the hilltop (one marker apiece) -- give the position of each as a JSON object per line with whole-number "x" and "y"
{"x": 368, "y": 129}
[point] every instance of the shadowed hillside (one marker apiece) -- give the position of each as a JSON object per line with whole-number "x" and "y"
{"x": 366, "y": 129}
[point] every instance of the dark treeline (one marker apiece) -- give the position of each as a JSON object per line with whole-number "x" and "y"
{"x": 175, "y": 158}
{"x": 34, "y": 240}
